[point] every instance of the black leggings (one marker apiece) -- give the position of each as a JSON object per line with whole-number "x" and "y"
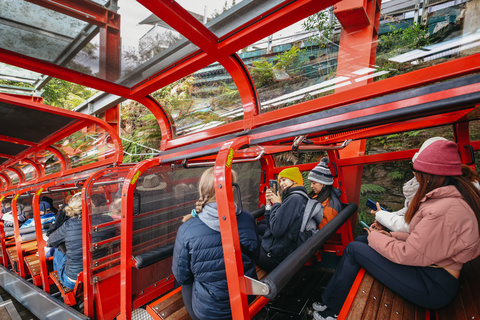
{"x": 428, "y": 287}
{"x": 187, "y": 291}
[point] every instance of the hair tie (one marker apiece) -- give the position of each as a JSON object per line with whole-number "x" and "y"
{"x": 194, "y": 213}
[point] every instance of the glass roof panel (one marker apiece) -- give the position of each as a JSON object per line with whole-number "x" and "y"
{"x": 206, "y": 99}
{"x": 222, "y": 16}
{"x": 295, "y": 64}
{"x": 34, "y": 31}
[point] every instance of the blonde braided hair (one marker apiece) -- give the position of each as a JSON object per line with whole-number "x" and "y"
{"x": 206, "y": 188}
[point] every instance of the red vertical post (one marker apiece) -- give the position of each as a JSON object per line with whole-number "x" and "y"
{"x": 41, "y": 244}
{"x": 357, "y": 50}
{"x": 229, "y": 230}
{"x": 462, "y": 137}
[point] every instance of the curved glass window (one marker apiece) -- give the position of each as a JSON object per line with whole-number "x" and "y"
{"x": 48, "y": 160}
{"x": 474, "y": 129}
{"x": 28, "y": 170}
{"x": 298, "y": 64}
{"x": 406, "y": 140}
{"x": 3, "y": 182}
{"x": 205, "y": 99}
{"x": 13, "y": 176}
{"x": 85, "y": 146}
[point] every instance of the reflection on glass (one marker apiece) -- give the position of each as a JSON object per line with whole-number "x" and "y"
{"x": 48, "y": 160}
{"x": 13, "y": 177}
{"x": 406, "y": 140}
{"x": 206, "y": 99}
{"x": 86, "y": 146}
{"x": 28, "y": 170}
{"x": 299, "y": 63}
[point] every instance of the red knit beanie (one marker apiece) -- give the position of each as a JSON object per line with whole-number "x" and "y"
{"x": 441, "y": 158}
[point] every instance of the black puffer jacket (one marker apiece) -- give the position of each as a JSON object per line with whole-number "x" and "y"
{"x": 70, "y": 233}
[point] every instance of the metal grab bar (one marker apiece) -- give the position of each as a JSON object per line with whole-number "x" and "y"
{"x": 211, "y": 163}
{"x": 297, "y": 147}
{"x": 281, "y": 275}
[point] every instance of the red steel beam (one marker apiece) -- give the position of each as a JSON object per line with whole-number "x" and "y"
{"x": 53, "y": 70}
{"x": 17, "y": 141}
{"x": 235, "y": 67}
{"x": 278, "y": 18}
{"x": 182, "y": 21}
{"x": 84, "y": 10}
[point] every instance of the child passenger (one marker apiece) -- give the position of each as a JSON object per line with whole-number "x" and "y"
{"x": 321, "y": 181}
{"x": 198, "y": 262}
{"x": 283, "y": 218}
{"x": 422, "y": 266}
{"x": 70, "y": 232}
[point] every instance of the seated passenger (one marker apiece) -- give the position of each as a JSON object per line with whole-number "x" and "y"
{"x": 283, "y": 218}
{"x": 99, "y": 203}
{"x": 50, "y": 202}
{"x": 423, "y": 266}
{"x": 7, "y": 216}
{"x": 198, "y": 261}
{"x": 70, "y": 233}
{"x": 321, "y": 181}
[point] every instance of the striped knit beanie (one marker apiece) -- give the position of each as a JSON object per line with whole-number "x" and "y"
{"x": 321, "y": 173}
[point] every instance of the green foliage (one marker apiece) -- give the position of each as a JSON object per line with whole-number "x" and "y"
{"x": 371, "y": 188}
{"x": 396, "y": 175}
{"x": 319, "y": 22}
{"x": 64, "y": 94}
{"x": 262, "y": 72}
{"x": 287, "y": 58}
{"x": 413, "y": 37}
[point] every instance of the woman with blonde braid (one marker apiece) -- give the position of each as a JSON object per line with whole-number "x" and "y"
{"x": 198, "y": 262}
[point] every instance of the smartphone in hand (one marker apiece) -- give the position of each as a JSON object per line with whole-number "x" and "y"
{"x": 273, "y": 185}
{"x": 373, "y": 205}
{"x": 365, "y": 225}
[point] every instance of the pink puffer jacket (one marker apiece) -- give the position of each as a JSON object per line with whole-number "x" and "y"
{"x": 443, "y": 232}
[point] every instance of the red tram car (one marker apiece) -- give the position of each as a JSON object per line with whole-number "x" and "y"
{"x": 337, "y": 100}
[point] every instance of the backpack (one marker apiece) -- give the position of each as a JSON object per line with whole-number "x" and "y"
{"x": 312, "y": 216}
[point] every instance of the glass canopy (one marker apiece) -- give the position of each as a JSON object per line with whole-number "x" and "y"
{"x": 137, "y": 48}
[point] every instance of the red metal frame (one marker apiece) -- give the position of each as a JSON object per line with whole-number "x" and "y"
{"x": 16, "y": 230}
{"x": 84, "y": 120}
{"x": 229, "y": 229}
{"x": 127, "y": 233}
{"x": 84, "y": 10}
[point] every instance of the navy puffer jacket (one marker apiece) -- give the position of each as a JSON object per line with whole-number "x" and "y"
{"x": 198, "y": 259}
{"x": 70, "y": 233}
{"x": 283, "y": 224}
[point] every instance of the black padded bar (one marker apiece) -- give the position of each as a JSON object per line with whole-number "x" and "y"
{"x": 281, "y": 275}
{"x": 148, "y": 258}
{"x": 259, "y": 212}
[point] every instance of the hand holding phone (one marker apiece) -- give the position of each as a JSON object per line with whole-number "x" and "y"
{"x": 273, "y": 185}
{"x": 373, "y": 205}
{"x": 365, "y": 225}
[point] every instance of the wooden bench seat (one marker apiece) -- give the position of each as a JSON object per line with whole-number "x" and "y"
{"x": 69, "y": 296}
{"x": 28, "y": 248}
{"x": 466, "y": 304}
{"x": 169, "y": 307}
{"x": 375, "y": 301}
{"x": 33, "y": 264}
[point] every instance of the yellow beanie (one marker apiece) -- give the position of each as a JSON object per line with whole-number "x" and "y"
{"x": 293, "y": 174}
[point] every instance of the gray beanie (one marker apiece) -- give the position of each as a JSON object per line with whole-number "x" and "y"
{"x": 321, "y": 173}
